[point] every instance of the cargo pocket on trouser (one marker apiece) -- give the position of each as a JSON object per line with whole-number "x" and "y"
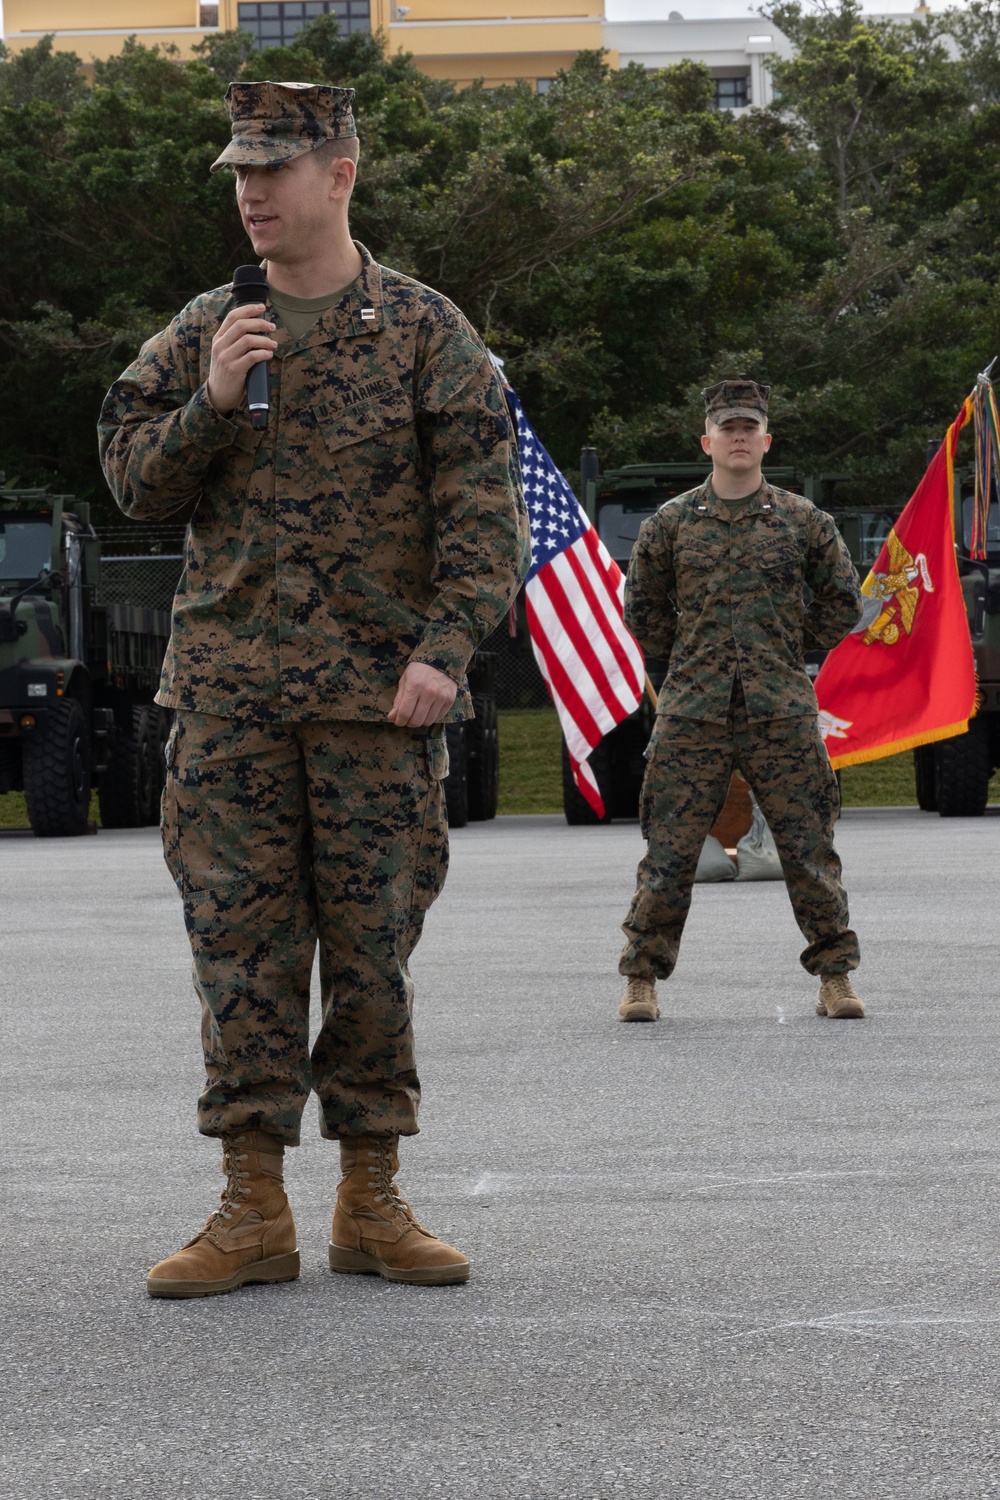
{"x": 646, "y": 793}
{"x": 431, "y": 847}
{"x": 826, "y": 781}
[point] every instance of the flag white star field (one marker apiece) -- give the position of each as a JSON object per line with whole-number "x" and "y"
{"x": 574, "y": 597}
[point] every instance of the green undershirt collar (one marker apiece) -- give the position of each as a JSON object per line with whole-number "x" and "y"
{"x": 740, "y": 503}
{"x": 300, "y": 313}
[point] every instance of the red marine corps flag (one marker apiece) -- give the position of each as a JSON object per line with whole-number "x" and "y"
{"x": 574, "y": 593}
{"x": 905, "y": 675}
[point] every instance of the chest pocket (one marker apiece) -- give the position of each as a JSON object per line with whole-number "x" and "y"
{"x": 377, "y": 418}
{"x": 373, "y": 447}
{"x": 694, "y": 560}
{"x": 697, "y": 572}
{"x": 778, "y": 560}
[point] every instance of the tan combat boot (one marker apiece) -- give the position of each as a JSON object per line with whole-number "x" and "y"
{"x": 374, "y": 1229}
{"x": 837, "y": 998}
{"x": 639, "y": 1003}
{"x": 251, "y": 1235}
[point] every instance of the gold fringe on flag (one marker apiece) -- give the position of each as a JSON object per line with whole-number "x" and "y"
{"x": 899, "y": 747}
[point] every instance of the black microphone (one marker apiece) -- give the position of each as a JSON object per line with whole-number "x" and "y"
{"x": 250, "y": 285}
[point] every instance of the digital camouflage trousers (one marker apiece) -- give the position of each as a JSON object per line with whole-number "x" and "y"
{"x": 285, "y": 840}
{"x": 689, "y": 766}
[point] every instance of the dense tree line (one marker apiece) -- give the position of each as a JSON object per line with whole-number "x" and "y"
{"x": 618, "y": 242}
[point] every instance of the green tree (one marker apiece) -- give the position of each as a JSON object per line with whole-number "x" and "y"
{"x": 40, "y": 73}
{"x": 866, "y": 93}
{"x": 618, "y": 241}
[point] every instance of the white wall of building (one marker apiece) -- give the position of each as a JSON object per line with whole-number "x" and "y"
{"x": 731, "y": 46}
{"x": 730, "y": 36}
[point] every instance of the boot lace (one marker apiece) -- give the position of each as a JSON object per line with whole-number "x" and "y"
{"x": 237, "y": 1186}
{"x": 383, "y": 1185}
{"x": 838, "y": 987}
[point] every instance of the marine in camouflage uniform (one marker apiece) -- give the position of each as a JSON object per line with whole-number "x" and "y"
{"x": 376, "y": 527}
{"x": 717, "y": 588}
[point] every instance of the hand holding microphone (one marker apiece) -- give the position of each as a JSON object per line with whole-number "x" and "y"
{"x": 241, "y": 349}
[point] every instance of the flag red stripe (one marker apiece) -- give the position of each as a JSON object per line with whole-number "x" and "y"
{"x": 551, "y": 626}
{"x": 586, "y": 782}
{"x": 611, "y": 574}
{"x": 550, "y": 581}
{"x": 625, "y": 666}
{"x": 561, "y": 680}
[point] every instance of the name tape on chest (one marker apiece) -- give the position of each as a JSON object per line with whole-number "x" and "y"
{"x": 382, "y": 388}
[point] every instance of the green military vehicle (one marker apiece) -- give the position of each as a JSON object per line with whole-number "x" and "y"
{"x": 952, "y": 776}
{"x": 77, "y": 673}
{"x": 472, "y": 786}
{"x": 80, "y": 661}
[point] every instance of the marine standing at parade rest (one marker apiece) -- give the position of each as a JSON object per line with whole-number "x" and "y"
{"x": 717, "y": 588}
{"x": 341, "y": 566}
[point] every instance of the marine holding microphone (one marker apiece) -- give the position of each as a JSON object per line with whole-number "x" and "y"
{"x": 349, "y": 546}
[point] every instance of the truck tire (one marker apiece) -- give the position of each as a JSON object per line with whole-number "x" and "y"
{"x": 456, "y": 783}
{"x": 129, "y": 793}
{"x": 482, "y": 755}
{"x": 11, "y": 779}
{"x": 57, "y": 773}
{"x": 962, "y": 767}
{"x": 625, "y": 765}
{"x": 579, "y": 813}
{"x": 164, "y": 724}
{"x": 152, "y": 763}
{"x": 925, "y": 775}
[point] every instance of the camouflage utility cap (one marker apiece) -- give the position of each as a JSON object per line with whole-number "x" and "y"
{"x": 276, "y": 121}
{"x": 731, "y": 399}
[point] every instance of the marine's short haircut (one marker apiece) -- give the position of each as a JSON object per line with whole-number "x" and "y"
{"x": 346, "y": 146}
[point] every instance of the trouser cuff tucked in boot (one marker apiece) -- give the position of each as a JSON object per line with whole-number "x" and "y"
{"x": 375, "y": 1230}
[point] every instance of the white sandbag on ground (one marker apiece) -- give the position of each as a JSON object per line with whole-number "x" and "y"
{"x": 756, "y": 856}
{"x": 713, "y": 862}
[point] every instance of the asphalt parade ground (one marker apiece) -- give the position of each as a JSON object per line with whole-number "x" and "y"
{"x": 743, "y": 1252}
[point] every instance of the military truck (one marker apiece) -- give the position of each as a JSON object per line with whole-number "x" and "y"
{"x": 952, "y": 776}
{"x": 472, "y": 786}
{"x": 80, "y": 660}
{"x": 77, "y": 673}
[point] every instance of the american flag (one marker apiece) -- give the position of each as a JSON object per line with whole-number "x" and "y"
{"x": 574, "y": 595}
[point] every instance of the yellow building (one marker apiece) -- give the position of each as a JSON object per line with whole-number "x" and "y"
{"x": 499, "y": 41}
{"x": 496, "y": 40}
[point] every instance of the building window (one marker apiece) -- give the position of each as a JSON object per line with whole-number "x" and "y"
{"x": 730, "y": 93}
{"x": 208, "y": 14}
{"x": 542, "y": 85}
{"x": 277, "y": 25}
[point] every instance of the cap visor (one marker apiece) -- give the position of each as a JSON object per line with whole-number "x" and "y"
{"x": 259, "y": 153}
{"x": 739, "y": 414}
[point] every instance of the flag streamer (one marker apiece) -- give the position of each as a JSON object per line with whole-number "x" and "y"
{"x": 987, "y": 469}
